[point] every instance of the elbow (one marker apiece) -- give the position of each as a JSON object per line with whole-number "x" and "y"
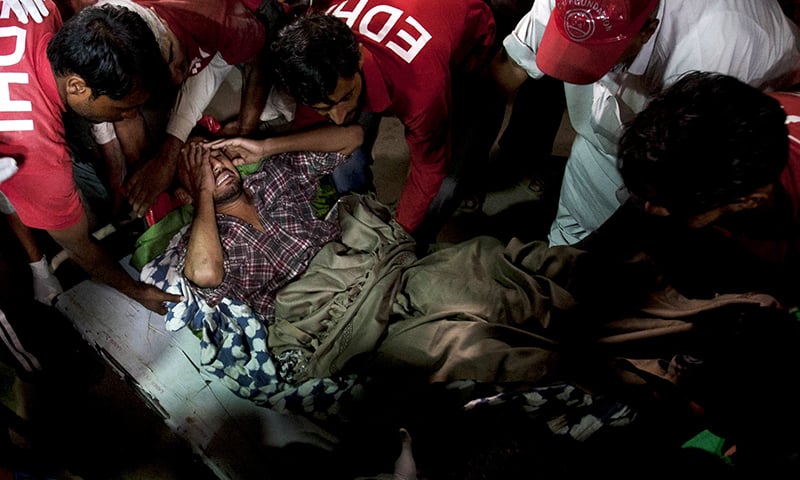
{"x": 207, "y": 277}
{"x": 355, "y": 139}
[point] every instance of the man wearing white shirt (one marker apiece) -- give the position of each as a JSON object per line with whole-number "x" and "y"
{"x": 613, "y": 55}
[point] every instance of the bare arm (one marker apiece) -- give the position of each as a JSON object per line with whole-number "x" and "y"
{"x": 89, "y": 255}
{"x": 254, "y": 96}
{"x": 154, "y": 177}
{"x": 204, "y": 260}
{"x": 328, "y": 138}
{"x": 116, "y": 166}
{"x": 506, "y": 73}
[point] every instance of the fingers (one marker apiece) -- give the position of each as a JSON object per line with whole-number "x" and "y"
{"x": 155, "y": 299}
{"x": 141, "y": 198}
{"x": 196, "y": 155}
{"x": 231, "y": 147}
{"x": 138, "y": 196}
{"x": 217, "y": 144}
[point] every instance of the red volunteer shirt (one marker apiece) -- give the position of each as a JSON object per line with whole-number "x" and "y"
{"x": 31, "y": 129}
{"x": 410, "y": 49}
{"x": 205, "y": 27}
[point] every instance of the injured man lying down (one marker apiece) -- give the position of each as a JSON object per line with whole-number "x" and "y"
{"x": 296, "y": 307}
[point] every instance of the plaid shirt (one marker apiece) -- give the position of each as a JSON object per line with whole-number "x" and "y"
{"x": 258, "y": 264}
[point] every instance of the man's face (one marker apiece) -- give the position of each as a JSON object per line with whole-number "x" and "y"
{"x": 344, "y": 102}
{"x": 105, "y": 109}
{"x": 229, "y": 184}
{"x": 638, "y": 42}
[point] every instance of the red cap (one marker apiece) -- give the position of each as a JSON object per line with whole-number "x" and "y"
{"x": 585, "y": 38}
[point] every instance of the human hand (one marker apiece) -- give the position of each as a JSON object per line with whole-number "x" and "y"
{"x": 25, "y": 8}
{"x": 234, "y": 128}
{"x": 240, "y": 150}
{"x": 194, "y": 170}
{"x": 153, "y": 298}
{"x": 153, "y": 178}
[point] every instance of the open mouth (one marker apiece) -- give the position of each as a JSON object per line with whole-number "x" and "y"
{"x": 224, "y": 177}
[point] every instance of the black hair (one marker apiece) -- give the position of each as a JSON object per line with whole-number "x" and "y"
{"x": 311, "y": 53}
{"x": 704, "y": 142}
{"x": 112, "y": 49}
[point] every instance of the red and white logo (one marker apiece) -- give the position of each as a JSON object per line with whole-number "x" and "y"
{"x": 579, "y": 24}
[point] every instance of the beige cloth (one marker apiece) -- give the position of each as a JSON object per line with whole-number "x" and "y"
{"x": 476, "y": 310}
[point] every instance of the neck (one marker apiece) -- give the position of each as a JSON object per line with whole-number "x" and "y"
{"x": 242, "y": 207}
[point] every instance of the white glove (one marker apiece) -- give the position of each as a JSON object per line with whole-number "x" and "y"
{"x": 45, "y": 284}
{"x": 24, "y": 8}
{"x": 8, "y": 167}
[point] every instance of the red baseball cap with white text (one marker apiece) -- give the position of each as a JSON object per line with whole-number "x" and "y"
{"x": 584, "y": 39}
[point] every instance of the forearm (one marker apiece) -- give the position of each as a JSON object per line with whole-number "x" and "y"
{"x": 169, "y": 154}
{"x": 116, "y": 164}
{"x": 204, "y": 264}
{"x": 91, "y": 257}
{"x": 427, "y": 170}
{"x": 328, "y": 138}
{"x": 255, "y": 89}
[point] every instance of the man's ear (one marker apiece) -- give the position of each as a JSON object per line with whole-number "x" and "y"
{"x": 360, "y": 56}
{"x": 656, "y": 210}
{"x": 76, "y": 88}
{"x": 648, "y": 30}
{"x": 183, "y": 196}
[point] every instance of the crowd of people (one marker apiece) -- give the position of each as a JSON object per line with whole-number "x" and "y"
{"x": 685, "y": 149}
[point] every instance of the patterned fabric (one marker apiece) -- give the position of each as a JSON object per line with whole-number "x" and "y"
{"x": 234, "y": 348}
{"x": 257, "y": 263}
{"x": 567, "y": 410}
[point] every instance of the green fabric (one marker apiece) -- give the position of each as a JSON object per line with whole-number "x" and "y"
{"x": 249, "y": 168}
{"x": 709, "y": 442}
{"x": 155, "y": 239}
{"x": 326, "y": 198}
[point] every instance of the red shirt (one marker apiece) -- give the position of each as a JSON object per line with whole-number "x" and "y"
{"x": 205, "y": 27}
{"x": 31, "y": 129}
{"x": 411, "y": 49}
{"x": 790, "y": 178}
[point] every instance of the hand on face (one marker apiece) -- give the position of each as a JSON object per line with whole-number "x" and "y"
{"x": 240, "y": 150}
{"x": 195, "y": 169}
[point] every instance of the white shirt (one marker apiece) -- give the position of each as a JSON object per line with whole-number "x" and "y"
{"x": 751, "y": 40}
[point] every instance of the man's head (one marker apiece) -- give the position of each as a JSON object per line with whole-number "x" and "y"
{"x": 172, "y": 50}
{"x": 584, "y": 39}
{"x": 318, "y": 60}
{"x": 707, "y": 146}
{"x": 107, "y": 63}
{"x": 228, "y": 182}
